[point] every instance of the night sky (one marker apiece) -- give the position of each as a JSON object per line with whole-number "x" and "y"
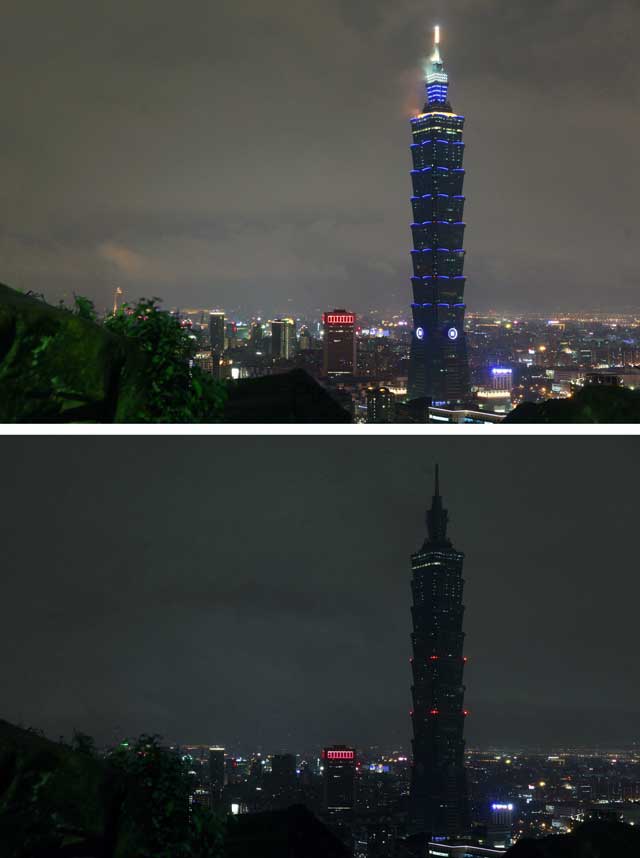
{"x": 255, "y": 591}
{"x": 255, "y": 155}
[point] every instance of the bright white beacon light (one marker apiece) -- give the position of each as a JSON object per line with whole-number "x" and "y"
{"x": 437, "y": 35}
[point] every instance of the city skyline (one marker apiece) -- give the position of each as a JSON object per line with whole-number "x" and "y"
{"x": 182, "y": 600}
{"x": 135, "y": 168}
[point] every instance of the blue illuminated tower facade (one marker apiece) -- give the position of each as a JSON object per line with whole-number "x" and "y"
{"x": 438, "y": 798}
{"x": 438, "y": 368}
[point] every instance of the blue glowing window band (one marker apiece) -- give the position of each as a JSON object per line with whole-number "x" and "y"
{"x": 459, "y": 305}
{"x": 431, "y": 140}
{"x": 444, "y": 305}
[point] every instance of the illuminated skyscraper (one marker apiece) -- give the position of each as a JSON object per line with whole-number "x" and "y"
{"x": 339, "y": 343}
{"x": 438, "y": 799}
{"x": 117, "y": 299}
{"x": 283, "y": 338}
{"x": 438, "y": 369}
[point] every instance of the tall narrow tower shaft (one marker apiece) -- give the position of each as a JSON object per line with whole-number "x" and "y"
{"x": 438, "y": 799}
{"x": 438, "y": 368}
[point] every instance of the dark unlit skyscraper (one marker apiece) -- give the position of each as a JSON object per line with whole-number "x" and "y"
{"x": 217, "y": 331}
{"x": 339, "y": 763}
{"x": 438, "y": 798}
{"x": 216, "y": 775}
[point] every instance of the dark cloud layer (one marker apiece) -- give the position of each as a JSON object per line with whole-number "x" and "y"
{"x": 257, "y": 589}
{"x": 255, "y": 154}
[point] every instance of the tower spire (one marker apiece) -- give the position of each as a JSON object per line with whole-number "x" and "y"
{"x": 435, "y": 57}
{"x": 437, "y": 78}
{"x": 437, "y": 516}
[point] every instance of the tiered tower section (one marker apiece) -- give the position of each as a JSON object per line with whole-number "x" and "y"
{"x": 439, "y": 802}
{"x": 438, "y": 368}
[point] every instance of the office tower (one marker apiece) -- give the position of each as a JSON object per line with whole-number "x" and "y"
{"x": 339, "y": 343}
{"x": 283, "y": 779}
{"x": 497, "y": 395}
{"x": 283, "y": 338}
{"x": 216, "y": 775}
{"x": 438, "y": 367}
{"x": 501, "y": 822}
{"x": 438, "y": 796}
{"x": 380, "y": 405}
{"x": 217, "y": 331}
{"x": 339, "y": 778}
{"x": 501, "y": 379}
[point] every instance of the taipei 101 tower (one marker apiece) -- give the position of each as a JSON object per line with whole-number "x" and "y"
{"x": 438, "y": 369}
{"x": 438, "y": 797}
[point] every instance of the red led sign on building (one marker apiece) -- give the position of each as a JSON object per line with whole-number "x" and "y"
{"x": 342, "y": 319}
{"x": 341, "y": 755}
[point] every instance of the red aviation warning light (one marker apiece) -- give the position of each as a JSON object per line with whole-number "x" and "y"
{"x": 435, "y": 712}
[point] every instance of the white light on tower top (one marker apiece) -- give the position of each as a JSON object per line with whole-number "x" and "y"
{"x": 437, "y": 35}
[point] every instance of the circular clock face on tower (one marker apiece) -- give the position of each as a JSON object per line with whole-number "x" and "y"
{"x": 452, "y": 333}
{"x": 420, "y": 333}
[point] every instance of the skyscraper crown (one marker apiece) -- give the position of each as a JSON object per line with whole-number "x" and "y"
{"x": 437, "y": 78}
{"x": 437, "y": 517}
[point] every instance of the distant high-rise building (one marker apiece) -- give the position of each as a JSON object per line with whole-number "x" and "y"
{"x": 256, "y": 335}
{"x": 501, "y": 378}
{"x": 339, "y": 343}
{"x": 501, "y": 822}
{"x": 217, "y": 331}
{"x": 380, "y": 405}
{"x": 305, "y": 339}
{"x": 339, "y": 777}
{"x": 438, "y": 797}
{"x": 117, "y": 299}
{"x": 283, "y": 338}
{"x": 283, "y": 778}
{"x": 216, "y": 775}
{"x": 438, "y": 368}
